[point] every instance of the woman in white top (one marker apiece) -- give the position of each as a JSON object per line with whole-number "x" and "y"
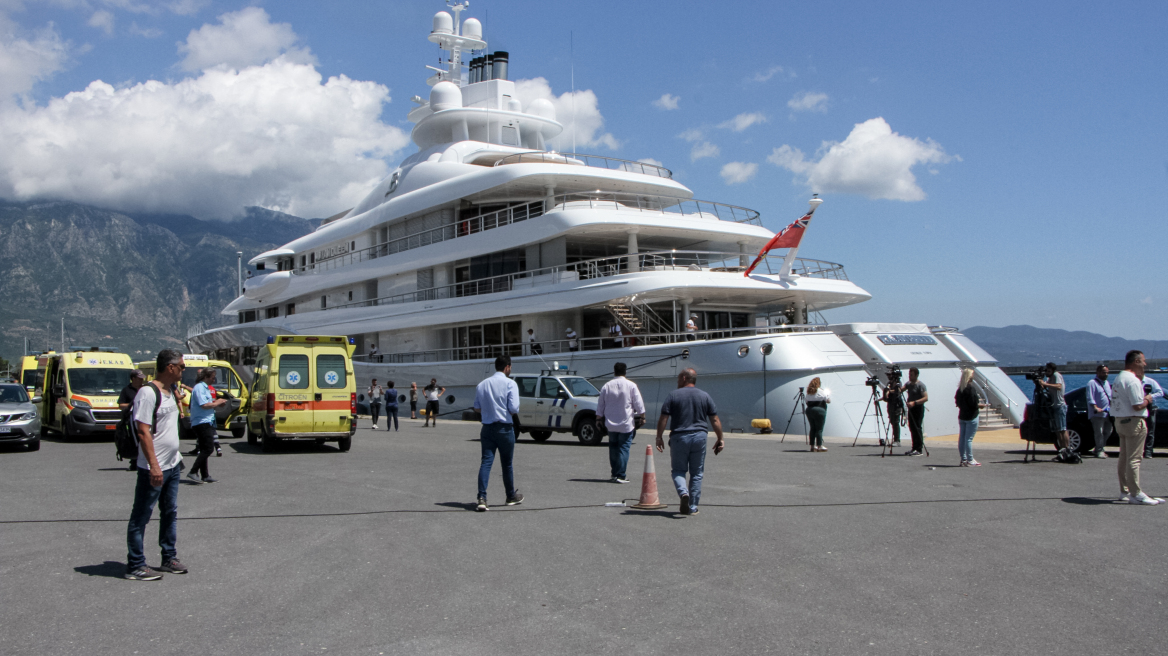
{"x": 817, "y": 400}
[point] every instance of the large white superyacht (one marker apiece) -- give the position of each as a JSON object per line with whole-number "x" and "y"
{"x": 485, "y": 243}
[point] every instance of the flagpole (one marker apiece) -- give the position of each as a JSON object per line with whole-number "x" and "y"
{"x": 785, "y": 272}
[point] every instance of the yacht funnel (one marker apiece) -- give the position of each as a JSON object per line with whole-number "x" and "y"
{"x": 499, "y": 70}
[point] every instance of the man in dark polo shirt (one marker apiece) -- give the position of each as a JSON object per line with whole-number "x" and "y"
{"x": 691, "y": 414}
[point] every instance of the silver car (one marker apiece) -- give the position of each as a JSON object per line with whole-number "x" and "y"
{"x": 19, "y": 422}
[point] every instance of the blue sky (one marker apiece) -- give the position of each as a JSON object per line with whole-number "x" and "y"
{"x": 981, "y": 163}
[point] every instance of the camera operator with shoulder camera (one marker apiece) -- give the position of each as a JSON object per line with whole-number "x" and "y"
{"x": 1055, "y": 387}
{"x": 895, "y": 403}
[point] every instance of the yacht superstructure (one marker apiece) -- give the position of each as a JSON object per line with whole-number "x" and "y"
{"x": 485, "y": 242}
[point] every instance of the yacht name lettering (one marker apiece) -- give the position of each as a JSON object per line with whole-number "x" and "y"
{"x": 332, "y": 251}
{"x": 905, "y": 340}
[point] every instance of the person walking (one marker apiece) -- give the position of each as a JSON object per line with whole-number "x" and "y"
{"x": 155, "y": 413}
{"x": 1099, "y": 409}
{"x": 817, "y": 399}
{"x": 621, "y": 410}
{"x": 375, "y": 395}
{"x": 126, "y": 404}
{"x": 1129, "y": 404}
{"x": 413, "y": 400}
{"x": 968, "y": 409}
{"x": 690, "y": 413}
{"x": 203, "y": 404}
{"x": 918, "y": 395}
{"x": 573, "y": 341}
{"x": 496, "y": 399}
{"x": 433, "y": 393}
{"x": 390, "y": 406}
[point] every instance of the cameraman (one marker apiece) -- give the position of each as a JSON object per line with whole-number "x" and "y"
{"x": 1055, "y": 387}
{"x": 895, "y": 404}
{"x": 1153, "y": 389}
{"x": 918, "y": 395}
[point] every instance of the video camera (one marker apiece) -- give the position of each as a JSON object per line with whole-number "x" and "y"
{"x": 1037, "y": 374}
{"x": 873, "y": 381}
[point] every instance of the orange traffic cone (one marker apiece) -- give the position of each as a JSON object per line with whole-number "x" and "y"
{"x": 649, "y": 499}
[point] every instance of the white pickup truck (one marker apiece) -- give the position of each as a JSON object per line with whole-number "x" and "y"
{"x": 558, "y": 403}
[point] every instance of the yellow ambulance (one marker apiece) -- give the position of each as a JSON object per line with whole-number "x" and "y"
{"x": 303, "y": 389}
{"x": 81, "y": 388}
{"x": 28, "y": 372}
{"x": 228, "y": 385}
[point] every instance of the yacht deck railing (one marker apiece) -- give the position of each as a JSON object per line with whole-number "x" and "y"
{"x": 595, "y": 161}
{"x": 553, "y": 347}
{"x": 709, "y": 261}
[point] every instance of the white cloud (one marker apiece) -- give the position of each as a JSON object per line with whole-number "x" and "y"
{"x": 102, "y": 20}
{"x": 666, "y": 101}
{"x": 243, "y": 38}
{"x": 738, "y": 172}
{"x": 187, "y": 7}
{"x": 650, "y": 160}
{"x": 580, "y": 115}
{"x": 743, "y": 121}
{"x": 691, "y": 135}
{"x": 277, "y": 136}
{"x": 1147, "y": 300}
{"x": 873, "y": 161}
{"x": 806, "y": 101}
{"x": 769, "y": 73}
{"x": 703, "y": 149}
{"x": 147, "y": 32}
{"x": 27, "y": 58}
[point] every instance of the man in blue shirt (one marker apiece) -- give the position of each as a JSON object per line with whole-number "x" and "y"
{"x": 1099, "y": 409}
{"x": 496, "y": 399}
{"x": 203, "y": 406}
{"x": 690, "y": 413}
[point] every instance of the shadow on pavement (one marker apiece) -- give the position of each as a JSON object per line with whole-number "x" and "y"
{"x": 590, "y": 480}
{"x": 457, "y": 504}
{"x": 1088, "y": 501}
{"x": 109, "y": 568}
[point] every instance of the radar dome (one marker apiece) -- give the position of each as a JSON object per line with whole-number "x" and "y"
{"x": 543, "y": 108}
{"x": 471, "y": 27}
{"x": 443, "y": 23}
{"x": 445, "y": 95}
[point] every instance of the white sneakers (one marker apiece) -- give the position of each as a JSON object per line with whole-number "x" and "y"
{"x": 374, "y": 426}
{"x": 1143, "y": 499}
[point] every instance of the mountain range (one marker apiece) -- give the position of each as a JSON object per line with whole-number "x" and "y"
{"x": 1027, "y": 345}
{"x": 132, "y": 281}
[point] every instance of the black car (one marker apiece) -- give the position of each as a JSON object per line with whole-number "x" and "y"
{"x": 1079, "y": 429}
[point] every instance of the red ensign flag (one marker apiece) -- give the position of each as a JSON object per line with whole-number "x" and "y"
{"x": 786, "y": 238}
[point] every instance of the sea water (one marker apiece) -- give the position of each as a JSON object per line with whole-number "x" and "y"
{"x": 1075, "y": 381}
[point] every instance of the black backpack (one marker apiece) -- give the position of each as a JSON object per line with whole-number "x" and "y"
{"x": 1068, "y": 456}
{"x": 126, "y": 436}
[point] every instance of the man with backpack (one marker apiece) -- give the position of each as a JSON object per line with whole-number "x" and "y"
{"x": 125, "y": 436}
{"x": 156, "y": 416}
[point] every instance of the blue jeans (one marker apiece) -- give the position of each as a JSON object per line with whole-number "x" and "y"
{"x": 618, "y": 452}
{"x": 500, "y": 437}
{"x": 687, "y": 453}
{"x": 145, "y": 496}
{"x": 965, "y": 438}
{"x": 391, "y": 415}
{"x": 1058, "y": 417}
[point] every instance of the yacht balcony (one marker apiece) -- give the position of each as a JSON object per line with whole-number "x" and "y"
{"x": 595, "y": 161}
{"x": 464, "y": 227}
{"x": 607, "y": 267}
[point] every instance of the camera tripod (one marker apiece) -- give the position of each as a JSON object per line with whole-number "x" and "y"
{"x": 801, "y": 404}
{"x": 874, "y": 400}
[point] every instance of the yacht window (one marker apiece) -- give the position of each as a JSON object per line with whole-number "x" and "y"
{"x": 488, "y": 340}
{"x": 323, "y": 302}
{"x": 290, "y": 310}
{"x": 272, "y": 312}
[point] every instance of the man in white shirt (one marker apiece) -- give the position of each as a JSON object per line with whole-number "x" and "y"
{"x": 433, "y": 393}
{"x": 1129, "y": 406}
{"x": 691, "y": 328}
{"x": 573, "y": 343}
{"x": 534, "y": 347}
{"x": 159, "y": 469}
{"x": 496, "y": 399}
{"x": 614, "y": 331}
{"x": 621, "y": 411}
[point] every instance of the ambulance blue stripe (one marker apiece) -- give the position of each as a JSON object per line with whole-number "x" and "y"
{"x": 549, "y": 421}
{"x": 558, "y": 418}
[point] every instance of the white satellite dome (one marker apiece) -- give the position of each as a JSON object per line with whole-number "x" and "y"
{"x": 445, "y": 95}
{"x": 443, "y": 23}
{"x": 471, "y": 27}
{"x": 543, "y": 108}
